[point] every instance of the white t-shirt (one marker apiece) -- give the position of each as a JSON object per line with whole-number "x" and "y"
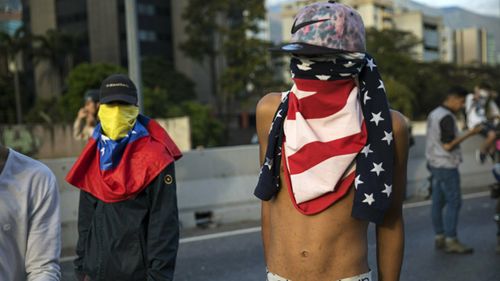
{"x": 476, "y": 110}
{"x": 30, "y": 228}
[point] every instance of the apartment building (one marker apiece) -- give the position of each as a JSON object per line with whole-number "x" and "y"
{"x": 473, "y": 46}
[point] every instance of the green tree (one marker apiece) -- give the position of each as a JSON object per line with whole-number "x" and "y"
{"x": 7, "y": 101}
{"x": 415, "y": 87}
{"x": 400, "y": 96}
{"x": 206, "y": 130}
{"x": 12, "y": 47}
{"x": 223, "y": 33}
{"x": 393, "y": 50}
{"x": 58, "y": 48}
{"x": 82, "y": 78}
{"x": 159, "y": 75}
{"x": 168, "y": 93}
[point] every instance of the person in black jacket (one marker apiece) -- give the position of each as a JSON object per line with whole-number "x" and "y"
{"x": 128, "y": 227}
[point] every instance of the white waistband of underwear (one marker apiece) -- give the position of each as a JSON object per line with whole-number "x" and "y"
{"x": 362, "y": 277}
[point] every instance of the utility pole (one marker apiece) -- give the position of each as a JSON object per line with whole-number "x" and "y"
{"x": 134, "y": 48}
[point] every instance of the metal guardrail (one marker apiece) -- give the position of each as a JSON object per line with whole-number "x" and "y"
{"x": 215, "y": 186}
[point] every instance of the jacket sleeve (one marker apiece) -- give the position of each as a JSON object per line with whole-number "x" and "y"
{"x": 86, "y": 211}
{"x": 44, "y": 235}
{"x": 163, "y": 227}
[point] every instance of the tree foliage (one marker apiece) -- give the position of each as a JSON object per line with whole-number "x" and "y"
{"x": 12, "y": 45}
{"x": 82, "y": 78}
{"x": 169, "y": 93}
{"x": 400, "y": 96}
{"x": 206, "y": 129}
{"x": 159, "y": 75}
{"x": 7, "y": 101}
{"x": 226, "y": 30}
{"x": 14, "y": 48}
{"x": 58, "y": 48}
{"x": 413, "y": 87}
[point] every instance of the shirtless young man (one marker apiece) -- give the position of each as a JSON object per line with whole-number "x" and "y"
{"x": 324, "y": 236}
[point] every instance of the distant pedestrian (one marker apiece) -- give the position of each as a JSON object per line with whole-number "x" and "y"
{"x": 495, "y": 194}
{"x": 30, "y": 231}
{"x": 444, "y": 156}
{"x": 86, "y": 120}
{"x": 482, "y": 110}
{"x": 128, "y": 227}
{"x": 497, "y": 219}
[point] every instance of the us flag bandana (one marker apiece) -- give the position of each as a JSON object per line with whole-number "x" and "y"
{"x": 317, "y": 165}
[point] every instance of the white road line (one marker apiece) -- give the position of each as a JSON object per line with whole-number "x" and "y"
{"x": 200, "y": 238}
{"x": 220, "y": 235}
{"x": 429, "y": 202}
{"x": 257, "y": 229}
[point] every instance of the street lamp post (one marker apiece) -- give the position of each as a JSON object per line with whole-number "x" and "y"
{"x": 133, "y": 48}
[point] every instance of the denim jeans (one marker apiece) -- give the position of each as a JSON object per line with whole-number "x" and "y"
{"x": 446, "y": 195}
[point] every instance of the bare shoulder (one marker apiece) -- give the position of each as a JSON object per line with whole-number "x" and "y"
{"x": 268, "y": 104}
{"x": 399, "y": 124}
{"x": 401, "y": 138}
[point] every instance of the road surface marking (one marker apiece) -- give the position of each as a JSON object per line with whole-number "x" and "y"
{"x": 257, "y": 229}
{"x": 429, "y": 202}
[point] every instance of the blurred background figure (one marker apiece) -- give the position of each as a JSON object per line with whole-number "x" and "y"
{"x": 444, "y": 156}
{"x": 481, "y": 110}
{"x": 86, "y": 119}
{"x": 497, "y": 219}
{"x": 495, "y": 194}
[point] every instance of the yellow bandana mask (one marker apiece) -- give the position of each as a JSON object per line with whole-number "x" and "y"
{"x": 117, "y": 120}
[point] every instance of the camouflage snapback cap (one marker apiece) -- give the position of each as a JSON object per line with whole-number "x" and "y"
{"x": 326, "y": 28}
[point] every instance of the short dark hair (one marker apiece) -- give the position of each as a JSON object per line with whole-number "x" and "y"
{"x": 457, "y": 91}
{"x": 485, "y": 85}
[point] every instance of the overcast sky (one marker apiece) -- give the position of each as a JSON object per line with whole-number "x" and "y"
{"x": 488, "y": 7}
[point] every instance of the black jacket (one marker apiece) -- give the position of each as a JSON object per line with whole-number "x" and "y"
{"x": 131, "y": 240}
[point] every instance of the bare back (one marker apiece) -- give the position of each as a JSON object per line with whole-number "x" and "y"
{"x": 327, "y": 246}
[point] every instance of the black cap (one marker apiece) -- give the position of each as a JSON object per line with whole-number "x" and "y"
{"x": 118, "y": 88}
{"x": 92, "y": 94}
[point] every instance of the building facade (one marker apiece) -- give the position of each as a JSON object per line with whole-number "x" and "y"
{"x": 378, "y": 14}
{"x": 428, "y": 30}
{"x": 473, "y": 46}
{"x": 101, "y": 31}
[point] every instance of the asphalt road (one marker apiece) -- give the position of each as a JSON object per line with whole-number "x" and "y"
{"x": 236, "y": 255}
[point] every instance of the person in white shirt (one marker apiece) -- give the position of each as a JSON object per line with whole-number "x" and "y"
{"x": 481, "y": 110}
{"x": 30, "y": 228}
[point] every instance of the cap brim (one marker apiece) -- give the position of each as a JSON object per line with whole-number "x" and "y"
{"x": 119, "y": 98}
{"x": 303, "y": 49}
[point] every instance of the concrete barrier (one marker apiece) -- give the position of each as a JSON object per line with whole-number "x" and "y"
{"x": 216, "y": 185}
{"x": 56, "y": 140}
